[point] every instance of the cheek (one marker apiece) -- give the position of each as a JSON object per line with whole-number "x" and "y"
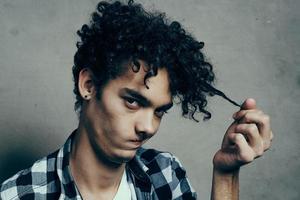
{"x": 117, "y": 121}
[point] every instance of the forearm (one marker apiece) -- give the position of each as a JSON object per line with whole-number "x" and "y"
{"x": 225, "y": 186}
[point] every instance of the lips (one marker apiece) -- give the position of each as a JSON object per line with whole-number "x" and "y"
{"x": 136, "y": 143}
{"x": 136, "y": 140}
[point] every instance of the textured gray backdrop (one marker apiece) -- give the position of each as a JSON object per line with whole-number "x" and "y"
{"x": 253, "y": 44}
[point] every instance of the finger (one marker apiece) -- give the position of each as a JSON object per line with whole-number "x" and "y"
{"x": 251, "y": 133}
{"x": 267, "y": 143}
{"x": 241, "y": 113}
{"x": 263, "y": 123}
{"x": 249, "y": 103}
{"x": 245, "y": 153}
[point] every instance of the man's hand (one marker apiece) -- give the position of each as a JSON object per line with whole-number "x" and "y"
{"x": 247, "y": 138}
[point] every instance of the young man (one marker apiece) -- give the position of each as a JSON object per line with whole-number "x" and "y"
{"x": 129, "y": 68}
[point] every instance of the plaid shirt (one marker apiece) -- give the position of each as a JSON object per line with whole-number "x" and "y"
{"x": 151, "y": 175}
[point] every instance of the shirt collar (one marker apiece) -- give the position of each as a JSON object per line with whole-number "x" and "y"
{"x": 68, "y": 186}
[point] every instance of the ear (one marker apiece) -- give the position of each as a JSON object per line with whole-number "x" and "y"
{"x": 85, "y": 84}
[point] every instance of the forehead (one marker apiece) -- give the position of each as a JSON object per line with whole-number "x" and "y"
{"x": 158, "y": 91}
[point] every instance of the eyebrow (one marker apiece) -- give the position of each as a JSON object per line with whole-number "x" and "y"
{"x": 144, "y": 101}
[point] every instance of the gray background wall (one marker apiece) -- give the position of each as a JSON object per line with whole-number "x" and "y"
{"x": 253, "y": 44}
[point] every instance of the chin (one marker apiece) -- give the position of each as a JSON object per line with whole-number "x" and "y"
{"x": 124, "y": 156}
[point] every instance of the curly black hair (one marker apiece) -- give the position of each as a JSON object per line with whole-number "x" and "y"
{"x": 121, "y": 32}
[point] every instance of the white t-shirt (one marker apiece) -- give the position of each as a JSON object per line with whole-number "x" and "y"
{"x": 123, "y": 192}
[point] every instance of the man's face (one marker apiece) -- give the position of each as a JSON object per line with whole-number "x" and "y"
{"x": 127, "y": 115}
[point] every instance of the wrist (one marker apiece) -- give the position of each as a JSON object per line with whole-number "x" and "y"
{"x": 223, "y": 165}
{"x": 226, "y": 172}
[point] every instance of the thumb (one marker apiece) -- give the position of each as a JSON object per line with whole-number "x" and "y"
{"x": 248, "y": 104}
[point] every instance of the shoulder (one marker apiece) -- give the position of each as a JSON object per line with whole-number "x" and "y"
{"x": 167, "y": 174}
{"x": 147, "y": 155}
{"x": 33, "y": 181}
{"x": 153, "y": 158}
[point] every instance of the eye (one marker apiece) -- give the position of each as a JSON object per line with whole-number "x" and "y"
{"x": 131, "y": 103}
{"x": 160, "y": 113}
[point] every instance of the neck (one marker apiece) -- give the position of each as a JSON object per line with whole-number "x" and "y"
{"x": 92, "y": 173}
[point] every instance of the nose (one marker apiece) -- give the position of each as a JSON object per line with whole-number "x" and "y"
{"x": 146, "y": 124}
